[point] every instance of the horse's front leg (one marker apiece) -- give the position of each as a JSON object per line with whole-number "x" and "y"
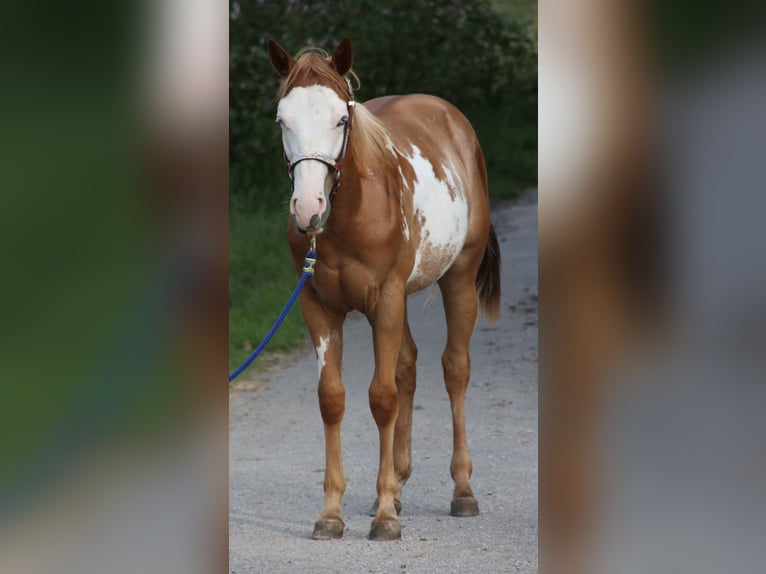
{"x": 326, "y": 330}
{"x": 387, "y": 324}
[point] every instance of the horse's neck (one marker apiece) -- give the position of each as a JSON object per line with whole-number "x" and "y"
{"x": 363, "y": 194}
{"x": 354, "y": 186}
{"x": 348, "y": 199}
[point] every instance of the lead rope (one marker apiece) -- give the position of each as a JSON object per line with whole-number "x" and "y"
{"x": 308, "y": 271}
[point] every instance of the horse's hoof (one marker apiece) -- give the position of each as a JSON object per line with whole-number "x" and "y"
{"x": 464, "y": 507}
{"x": 327, "y": 530}
{"x": 389, "y": 530}
{"x": 374, "y": 508}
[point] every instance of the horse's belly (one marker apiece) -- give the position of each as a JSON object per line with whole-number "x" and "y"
{"x": 439, "y": 222}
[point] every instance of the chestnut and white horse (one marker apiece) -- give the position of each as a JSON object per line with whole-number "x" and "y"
{"x": 394, "y": 191}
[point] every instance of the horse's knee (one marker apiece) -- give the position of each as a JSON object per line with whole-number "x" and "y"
{"x": 332, "y": 400}
{"x": 384, "y": 402}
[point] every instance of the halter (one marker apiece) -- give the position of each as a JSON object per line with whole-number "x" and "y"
{"x": 333, "y": 163}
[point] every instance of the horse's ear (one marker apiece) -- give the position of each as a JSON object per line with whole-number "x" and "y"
{"x": 280, "y": 59}
{"x": 343, "y": 57}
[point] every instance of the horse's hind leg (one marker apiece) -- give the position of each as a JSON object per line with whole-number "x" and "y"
{"x": 405, "y": 385}
{"x": 459, "y": 295}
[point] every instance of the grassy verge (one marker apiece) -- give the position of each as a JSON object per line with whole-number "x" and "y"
{"x": 261, "y": 279}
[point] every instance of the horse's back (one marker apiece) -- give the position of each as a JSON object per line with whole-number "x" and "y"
{"x": 425, "y": 118}
{"x": 444, "y": 182}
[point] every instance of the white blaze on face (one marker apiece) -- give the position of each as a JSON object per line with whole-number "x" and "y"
{"x": 309, "y": 118}
{"x": 321, "y": 351}
{"x": 442, "y": 210}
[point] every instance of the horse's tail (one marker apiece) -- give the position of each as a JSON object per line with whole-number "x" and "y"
{"x": 488, "y": 278}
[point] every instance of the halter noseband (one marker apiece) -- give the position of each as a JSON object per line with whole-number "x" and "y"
{"x": 333, "y": 163}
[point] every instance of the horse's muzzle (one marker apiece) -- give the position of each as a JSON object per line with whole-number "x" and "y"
{"x": 316, "y": 223}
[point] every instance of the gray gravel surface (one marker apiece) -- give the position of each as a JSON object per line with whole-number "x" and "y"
{"x": 276, "y": 462}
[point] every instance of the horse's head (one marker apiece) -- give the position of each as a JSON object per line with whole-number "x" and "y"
{"x": 314, "y": 112}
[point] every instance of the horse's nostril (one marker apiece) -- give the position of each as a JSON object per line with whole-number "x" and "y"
{"x": 314, "y": 221}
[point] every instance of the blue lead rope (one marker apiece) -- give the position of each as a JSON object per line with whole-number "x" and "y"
{"x": 308, "y": 271}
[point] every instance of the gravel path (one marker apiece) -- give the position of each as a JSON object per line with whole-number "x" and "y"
{"x": 276, "y": 458}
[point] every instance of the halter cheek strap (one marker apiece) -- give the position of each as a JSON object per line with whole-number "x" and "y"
{"x": 333, "y": 163}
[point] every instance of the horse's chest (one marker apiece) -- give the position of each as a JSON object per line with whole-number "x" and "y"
{"x": 437, "y": 224}
{"x": 345, "y": 286}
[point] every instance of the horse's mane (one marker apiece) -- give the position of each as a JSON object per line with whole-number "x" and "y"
{"x": 369, "y": 138}
{"x": 369, "y": 141}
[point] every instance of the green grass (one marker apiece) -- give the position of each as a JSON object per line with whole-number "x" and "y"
{"x": 261, "y": 279}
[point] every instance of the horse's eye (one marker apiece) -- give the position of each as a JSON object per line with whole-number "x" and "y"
{"x": 342, "y": 122}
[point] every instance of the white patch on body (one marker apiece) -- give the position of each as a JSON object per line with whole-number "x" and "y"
{"x": 449, "y": 173}
{"x": 405, "y": 185}
{"x": 321, "y": 350}
{"x": 442, "y": 209}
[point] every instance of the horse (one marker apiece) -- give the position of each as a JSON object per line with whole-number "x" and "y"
{"x": 394, "y": 193}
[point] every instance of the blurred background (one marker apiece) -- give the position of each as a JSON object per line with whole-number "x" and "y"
{"x": 113, "y": 288}
{"x": 652, "y": 276}
{"x": 481, "y": 55}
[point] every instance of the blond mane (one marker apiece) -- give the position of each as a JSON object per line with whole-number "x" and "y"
{"x": 369, "y": 138}
{"x": 369, "y": 142}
